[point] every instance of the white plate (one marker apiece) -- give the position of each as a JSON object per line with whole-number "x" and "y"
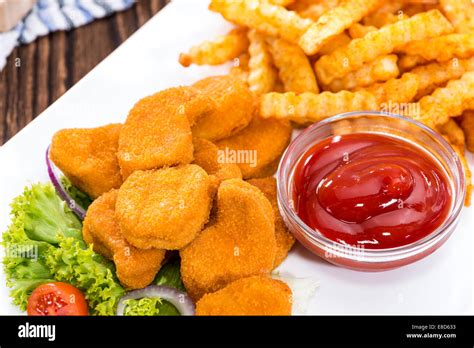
{"x": 439, "y": 284}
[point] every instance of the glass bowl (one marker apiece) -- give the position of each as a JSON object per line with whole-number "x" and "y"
{"x": 385, "y": 124}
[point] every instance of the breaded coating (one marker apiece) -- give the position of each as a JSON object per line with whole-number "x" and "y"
{"x": 136, "y": 268}
{"x": 88, "y": 157}
{"x": 257, "y": 295}
{"x": 258, "y": 145}
{"x": 233, "y": 110}
{"x": 284, "y": 239}
{"x": 157, "y": 132}
{"x": 240, "y": 243}
{"x": 209, "y": 158}
{"x": 164, "y": 208}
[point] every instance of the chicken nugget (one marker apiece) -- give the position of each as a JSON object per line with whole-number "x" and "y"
{"x": 88, "y": 157}
{"x": 157, "y": 132}
{"x": 284, "y": 239}
{"x": 257, "y": 295}
{"x": 208, "y": 157}
{"x": 258, "y": 145}
{"x": 136, "y": 268}
{"x": 234, "y": 107}
{"x": 240, "y": 243}
{"x": 164, "y": 208}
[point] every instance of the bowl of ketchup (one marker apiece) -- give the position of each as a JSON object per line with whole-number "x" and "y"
{"x": 370, "y": 191}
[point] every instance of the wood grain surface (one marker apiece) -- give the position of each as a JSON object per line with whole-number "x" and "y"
{"x": 39, "y": 73}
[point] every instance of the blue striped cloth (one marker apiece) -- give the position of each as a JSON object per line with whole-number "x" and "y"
{"x": 52, "y": 15}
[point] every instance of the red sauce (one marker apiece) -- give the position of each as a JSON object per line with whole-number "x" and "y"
{"x": 371, "y": 191}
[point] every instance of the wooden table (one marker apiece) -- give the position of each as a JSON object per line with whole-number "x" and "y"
{"x": 39, "y": 73}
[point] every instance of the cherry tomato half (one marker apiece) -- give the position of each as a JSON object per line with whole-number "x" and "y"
{"x": 56, "y": 299}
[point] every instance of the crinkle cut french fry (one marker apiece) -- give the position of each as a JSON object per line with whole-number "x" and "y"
{"x": 283, "y": 3}
{"x": 467, "y": 125}
{"x": 391, "y": 6}
{"x": 334, "y": 22}
{"x": 455, "y": 135}
{"x": 294, "y": 68}
{"x": 262, "y": 75}
{"x": 402, "y": 90}
{"x": 382, "y": 19}
{"x": 240, "y": 67}
{"x": 219, "y": 51}
{"x": 310, "y": 107}
{"x": 381, "y": 69}
{"x": 261, "y": 15}
{"x": 435, "y": 75}
{"x": 406, "y": 63}
{"x": 358, "y": 30}
{"x": 442, "y": 48}
{"x": 460, "y": 13}
{"x": 334, "y": 43}
{"x": 313, "y": 9}
{"x": 381, "y": 42}
{"x": 446, "y": 102}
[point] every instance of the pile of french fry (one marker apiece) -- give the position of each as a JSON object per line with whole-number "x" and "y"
{"x": 307, "y": 60}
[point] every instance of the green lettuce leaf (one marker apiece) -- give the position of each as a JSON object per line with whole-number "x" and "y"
{"x": 170, "y": 275}
{"x": 149, "y": 307}
{"x": 44, "y": 243}
{"x": 80, "y": 197}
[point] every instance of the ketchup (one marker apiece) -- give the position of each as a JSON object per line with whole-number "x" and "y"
{"x": 371, "y": 191}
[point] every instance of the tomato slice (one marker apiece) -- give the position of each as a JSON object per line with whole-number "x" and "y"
{"x": 56, "y": 299}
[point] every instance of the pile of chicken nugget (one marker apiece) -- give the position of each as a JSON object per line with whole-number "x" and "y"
{"x": 169, "y": 179}
{"x": 191, "y": 169}
{"x": 307, "y": 60}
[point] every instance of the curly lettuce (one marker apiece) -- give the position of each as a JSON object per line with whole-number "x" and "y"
{"x": 44, "y": 243}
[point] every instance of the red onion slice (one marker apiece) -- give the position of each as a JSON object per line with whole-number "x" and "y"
{"x": 179, "y": 299}
{"x": 62, "y": 192}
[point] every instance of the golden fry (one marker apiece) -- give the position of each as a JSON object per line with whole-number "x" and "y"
{"x": 234, "y": 107}
{"x": 381, "y": 69}
{"x": 381, "y": 42}
{"x": 284, "y": 239}
{"x": 88, "y": 157}
{"x": 453, "y": 134}
{"x": 261, "y": 15}
{"x": 294, "y": 68}
{"x": 407, "y": 63}
{"x": 381, "y": 19}
{"x": 262, "y": 75}
{"x": 467, "y": 125}
{"x": 467, "y": 174}
{"x": 257, "y": 295}
{"x": 136, "y": 268}
{"x": 334, "y": 43}
{"x": 313, "y": 9}
{"x": 460, "y": 13}
{"x": 402, "y": 90}
{"x": 219, "y": 51}
{"x": 442, "y": 48}
{"x": 358, "y": 30}
{"x": 239, "y": 244}
{"x": 309, "y": 107}
{"x": 435, "y": 75}
{"x": 334, "y": 22}
{"x": 450, "y": 101}
{"x": 257, "y": 146}
{"x": 164, "y": 208}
